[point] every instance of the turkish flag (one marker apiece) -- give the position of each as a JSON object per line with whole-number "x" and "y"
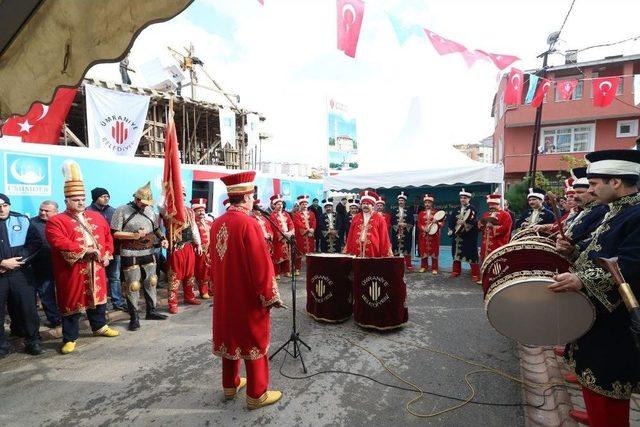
{"x": 350, "y": 14}
{"x": 470, "y": 57}
{"x": 175, "y": 213}
{"x": 566, "y": 88}
{"x": 541, "y": 91}
{"x": 604, "y": 91}
{"x": 261, "y": 2}
{"x": 513, "y": 91}
{"x": 43, "y": 123}
{"x": 501, "y": 61}
{"x": 442, "y": 45}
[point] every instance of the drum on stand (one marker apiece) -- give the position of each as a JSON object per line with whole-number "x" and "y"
{"x": 518, "y": 303}
{"x": 329, "y": 287}
{"x": 379, "y": 293}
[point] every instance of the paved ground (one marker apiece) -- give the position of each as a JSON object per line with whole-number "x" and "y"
{"x": 165, "y": 373}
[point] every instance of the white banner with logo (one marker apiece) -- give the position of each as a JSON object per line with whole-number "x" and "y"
{"x": 115, "y": 120}
{"x": 227, "y": 127}
{"x": 251, "y": 129}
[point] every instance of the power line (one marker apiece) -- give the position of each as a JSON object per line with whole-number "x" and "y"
{"x": 565, "y": 19}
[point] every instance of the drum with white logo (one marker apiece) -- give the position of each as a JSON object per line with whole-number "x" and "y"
{"x": 329, "y": 287}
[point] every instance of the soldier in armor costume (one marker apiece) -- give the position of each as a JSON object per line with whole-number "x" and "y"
{"x": 329, "y": 226}
{"x": 463, "y": 228}
{"x": 537, "y": 214}
{"x": 402, "y": 230}
{"x": 605, "y": 359}
{"x": 203, "y": 261}
{"x": 135, "y": 227}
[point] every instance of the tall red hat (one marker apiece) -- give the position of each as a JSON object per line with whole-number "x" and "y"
{"x": 369, "y": 196}
{"x": 427, "y": 198}
{"x": 569, "y": 191}
{"x": 494, "y": 199}
{"x": 381, "y": 201}
{"x": 199, "y": 203}
{"x": 240, "y": 183}
{"x": 276, "y": 198}
{"x": 303, "y": 198}
{"x": 226, "y": 203}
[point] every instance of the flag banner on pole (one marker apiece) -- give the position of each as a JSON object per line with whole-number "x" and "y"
{"x": 500, "y": 60}
{"x": 227, "y": 127}
{"x": 43, "y": 123}
{"x": 251, "y": 129}
{"x": 604, "y": 91}
{"x": 533, "y": 84}
{"x": 541, "y": 92}
{"x": 443, "y": 46}
{"x": 513, "y": 91}
{"x": 470, "y": 57}
{"x": 566, "y": 88}
{"x": 349, "y": 22}
{"x": 174, "y": 210}
{"x": 115, "y": 120}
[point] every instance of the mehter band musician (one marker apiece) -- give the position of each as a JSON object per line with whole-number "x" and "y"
{"x": 81, "y": 248}
{"x": 463, "y": 227}
{"x": 429, "y": 231}
{"x": 245, "y": 290}
{"x": 368, "y": 235}
{"x": 495, "y": 225}
{"x": 329, "y": 226}
{"x": 605, "y": 359}
{"x": 537, "y": 214}
{"x": 203, "y": 260}
{"x": 590, "y": 210}
{"x": 304, "y": 221}
{"x": 281, "y": 250}
{"x": 402, "y": 230}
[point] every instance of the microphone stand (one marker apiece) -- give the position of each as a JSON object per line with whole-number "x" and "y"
{"x": 295, "y": 335}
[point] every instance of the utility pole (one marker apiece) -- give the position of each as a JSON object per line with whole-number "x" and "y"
{"x": 533, "y": 161}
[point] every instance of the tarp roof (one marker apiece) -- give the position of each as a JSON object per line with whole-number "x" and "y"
{"x": 413, "y": 161}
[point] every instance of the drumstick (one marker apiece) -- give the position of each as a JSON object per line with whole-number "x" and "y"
{"x": 556, "y": 213}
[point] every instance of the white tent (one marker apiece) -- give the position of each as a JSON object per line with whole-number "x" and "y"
{"x": 414, "y": 162}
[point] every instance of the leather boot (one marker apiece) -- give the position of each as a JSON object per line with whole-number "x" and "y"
{"x": 407, "y": 262}
{"x": 475, "y": 272}
{"x": 434, "y": 265}
{"x": 424, "y": 264}
{"x": 456, "y": 269}
{"x": 152, "y": 314}
{"x": 134, "y": 323}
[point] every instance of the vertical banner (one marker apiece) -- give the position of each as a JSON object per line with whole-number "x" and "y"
{"x": 251, "y": 129}
{"x": 343, "y": 146}
{"x": 227, "y": 127}
{"x": 115, "y": 120}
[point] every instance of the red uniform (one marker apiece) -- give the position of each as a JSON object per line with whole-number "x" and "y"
{"x": 304, "y": 222}
{"x": 181, "y": 264}
{"x": 496, "y": 236}
{"x": 244, "y": 289}
{"x": 80, "y": 284}
{"x": 281, "y": 254}
{"x": 203, "y": 261}
{"x": 428, "y": 244}
{"x": 370, "y": 239}
{"x": 267, "y": 231}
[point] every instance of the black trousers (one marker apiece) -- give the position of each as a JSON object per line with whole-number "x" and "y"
{"x": 17, "y": 291}
{"x": 71, "y": 323}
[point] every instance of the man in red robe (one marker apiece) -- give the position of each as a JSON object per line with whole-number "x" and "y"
{"x": 81, "y": 248}
{"x": 203, "y": 261}
{"x": 368, "y": 234}
{"x": 381, "y": 205}
{"x": 245, "y": 290}
{"x": 428, "y": 244}
{"x": 265, "y": 226}
{"x": 495, "y": 226}
{"x": 304, "y": 221}
{"x": 281, "y": 251}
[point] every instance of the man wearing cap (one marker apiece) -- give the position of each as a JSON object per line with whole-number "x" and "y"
{"x": 100, "y": 198}
{"x": 203, "y": 260}
{"x": 352, "y": 211}
{"x": 304, "y": 221}
{"x": 428, "y": 244}
{"x": 329, "y": 227}
{"x": 368, "y": 234}
{"x": 401, "y": 230}
{"x": 380, "y": 207}
{"x": 265, "y": 226}
{"x": 81, "y": 249}
{"x": 281, "y": 249}
{"x": 19, "y": 242}
{"x": 590, "y": 210}
{"x": 317, "y": 211}
{"x": 463, "y": 227}
{"x": 537, "y": 214}
{"x": 135, "y": 227}
{"x": 605, "y": 358}
{"x": 182, "y": 261}
{"x": 495, "y": 226}
{"x": 245, "y": 290}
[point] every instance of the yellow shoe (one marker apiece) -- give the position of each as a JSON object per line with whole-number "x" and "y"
{"x": 434, "y": 272}
{"x": 296, "y": 273}
{"x": 287, "y": 274}
{"x": 277, "y": 277}
{"x": 230, "y": 393}
{"x": 68, "y": 347}
{"x": 422, "y": 270}
{"x": 106, "y": 331}
{"x": 205, "y": 296}
{"x": 268, "y": 398}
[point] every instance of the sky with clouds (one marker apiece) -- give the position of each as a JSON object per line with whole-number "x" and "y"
{"x": 282, "y": 60}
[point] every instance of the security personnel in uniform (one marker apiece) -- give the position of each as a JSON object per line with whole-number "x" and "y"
{"x": 18, "y": 242}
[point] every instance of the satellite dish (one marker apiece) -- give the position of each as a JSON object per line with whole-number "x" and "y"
{"x": 553, "y": 38}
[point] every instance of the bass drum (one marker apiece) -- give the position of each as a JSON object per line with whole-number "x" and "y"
{"x": 518, "y": 303}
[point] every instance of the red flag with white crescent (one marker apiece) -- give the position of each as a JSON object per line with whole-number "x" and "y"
{"x": 350, "y": 14}
{"x": 566, "y": 88}
{"x": 513, "y": 91}
{"x": 444, "y": 46}
{"x": 172, "y": 181}
{"x": 604, "y": 91}
{"x": 470, "y": 57}
{"x": 43, "y": 123}
{"x": 541, "y": 92}
{"x": 500, "y": 60}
